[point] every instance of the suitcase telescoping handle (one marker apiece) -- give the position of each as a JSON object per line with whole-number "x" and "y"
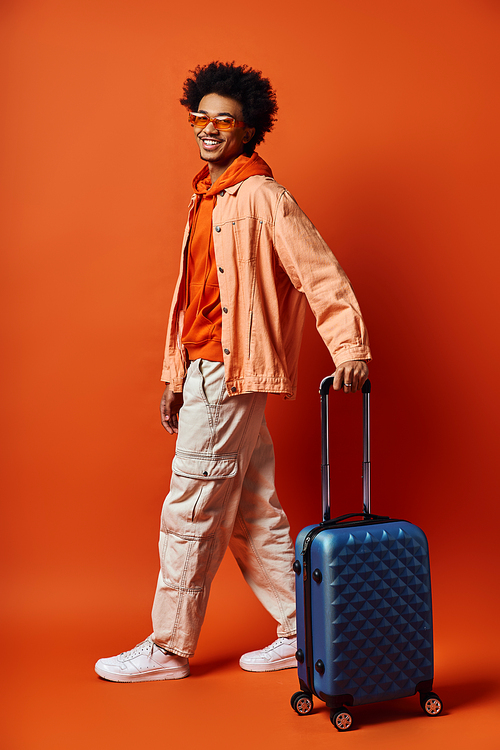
{"x": 324, "y": 390}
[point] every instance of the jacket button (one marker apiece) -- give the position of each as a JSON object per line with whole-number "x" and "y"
{"x": 226, "y": 351}
{"x": 222, "y": 192}
{"x": 224, "y": 309}
{"x": 217, "y": 229}
{"x": 205, "y": 473}
{"x": 233, "y": 389}
{"x": 221, "y": 270}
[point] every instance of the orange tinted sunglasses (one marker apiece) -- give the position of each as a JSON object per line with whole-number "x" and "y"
{"x": 223, "y": 122}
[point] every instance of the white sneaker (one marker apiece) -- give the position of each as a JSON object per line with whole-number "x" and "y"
{"x": 279, "y": 655}
{"x": 144, "y": 663}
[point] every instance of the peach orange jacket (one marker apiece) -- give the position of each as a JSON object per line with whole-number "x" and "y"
{"x": 270, "y": 259}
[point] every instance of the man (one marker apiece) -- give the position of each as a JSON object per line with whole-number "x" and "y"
{"x": 250, "y": 260}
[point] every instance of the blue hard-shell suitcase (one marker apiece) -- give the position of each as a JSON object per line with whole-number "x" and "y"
{"x": 364, "y": 610}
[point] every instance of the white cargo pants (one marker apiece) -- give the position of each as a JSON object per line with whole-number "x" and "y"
{"x": 222, "y": 493}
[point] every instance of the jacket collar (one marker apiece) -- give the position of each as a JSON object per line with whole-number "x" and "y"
{"x": 233, "y": 189}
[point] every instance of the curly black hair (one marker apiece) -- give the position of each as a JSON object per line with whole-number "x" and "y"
{"x": 242, "y": 83}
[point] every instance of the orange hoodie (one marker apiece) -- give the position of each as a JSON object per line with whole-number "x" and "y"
{"x": 203, "y": 317}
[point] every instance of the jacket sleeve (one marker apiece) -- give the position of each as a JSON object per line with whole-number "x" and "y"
{"x": 173, "y": 371}
{"x": 313, "y": 269}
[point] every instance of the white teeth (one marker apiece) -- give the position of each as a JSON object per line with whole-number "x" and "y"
{"x": 210, "y": 143}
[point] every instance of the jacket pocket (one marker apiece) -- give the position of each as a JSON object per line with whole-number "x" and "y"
{"x": 205, "y": 465}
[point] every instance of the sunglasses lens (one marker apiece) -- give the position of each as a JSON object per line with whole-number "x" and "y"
{"x": 223, "y": 123}
{"x": 199, "y": 120}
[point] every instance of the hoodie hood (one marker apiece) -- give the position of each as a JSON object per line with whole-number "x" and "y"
{"x": 241, "y": 168}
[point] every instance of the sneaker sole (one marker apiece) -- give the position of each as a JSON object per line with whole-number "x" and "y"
{"x": 172, "y": 674}
{"x": 276, "y": 666}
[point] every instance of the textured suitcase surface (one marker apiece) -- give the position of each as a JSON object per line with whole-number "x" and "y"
{"x": 367, "y": 631}
{"x": 364, "y": 609}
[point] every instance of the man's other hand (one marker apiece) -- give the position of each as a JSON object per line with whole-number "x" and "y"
{"x": 169, "y": 409}
{"x": 350, "y": 376}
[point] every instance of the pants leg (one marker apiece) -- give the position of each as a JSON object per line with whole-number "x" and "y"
{"x": 216, "y": 438}
{"x": 222, "y": 492}
{"x": 261, "y": 541}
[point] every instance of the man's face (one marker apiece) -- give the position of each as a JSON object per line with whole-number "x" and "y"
{"x": 221, "y": 147}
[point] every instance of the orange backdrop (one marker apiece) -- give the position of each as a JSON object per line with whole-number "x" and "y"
{"x": 388, "y": 138}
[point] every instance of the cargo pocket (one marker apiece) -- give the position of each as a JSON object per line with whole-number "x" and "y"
{"x": 184, "y": 560}
{"x": 205, "y": 465}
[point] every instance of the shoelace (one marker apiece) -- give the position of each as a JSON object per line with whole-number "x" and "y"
{"x": 141, "y": 648}
{"x": 278, "y": 642}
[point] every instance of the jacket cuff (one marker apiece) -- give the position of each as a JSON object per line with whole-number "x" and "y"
{"x": 359, "y": 353}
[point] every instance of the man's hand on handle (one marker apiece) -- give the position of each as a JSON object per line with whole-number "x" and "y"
{"x": 169, "y": 409}
{"x": 350, "y": 376}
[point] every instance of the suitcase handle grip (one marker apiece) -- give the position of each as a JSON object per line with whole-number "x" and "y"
{"x": 365, "y": 516}
{"x": 327, "y": 383}
{"x": 324, "y": 390}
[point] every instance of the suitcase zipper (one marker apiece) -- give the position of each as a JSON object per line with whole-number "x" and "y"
{"x": 334, "y": 523}
{"x": 308, "y": 608}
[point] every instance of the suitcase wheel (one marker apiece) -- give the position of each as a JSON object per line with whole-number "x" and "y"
{"x": 431, "y": 704}
{"x": 341, "y": 719}
{"x": 302, "y": 703}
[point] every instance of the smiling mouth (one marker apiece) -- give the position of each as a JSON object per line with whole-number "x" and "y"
{"x": 210, "y": 143}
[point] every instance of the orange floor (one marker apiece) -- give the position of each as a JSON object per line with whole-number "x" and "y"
{"x": 52, "y": 699}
